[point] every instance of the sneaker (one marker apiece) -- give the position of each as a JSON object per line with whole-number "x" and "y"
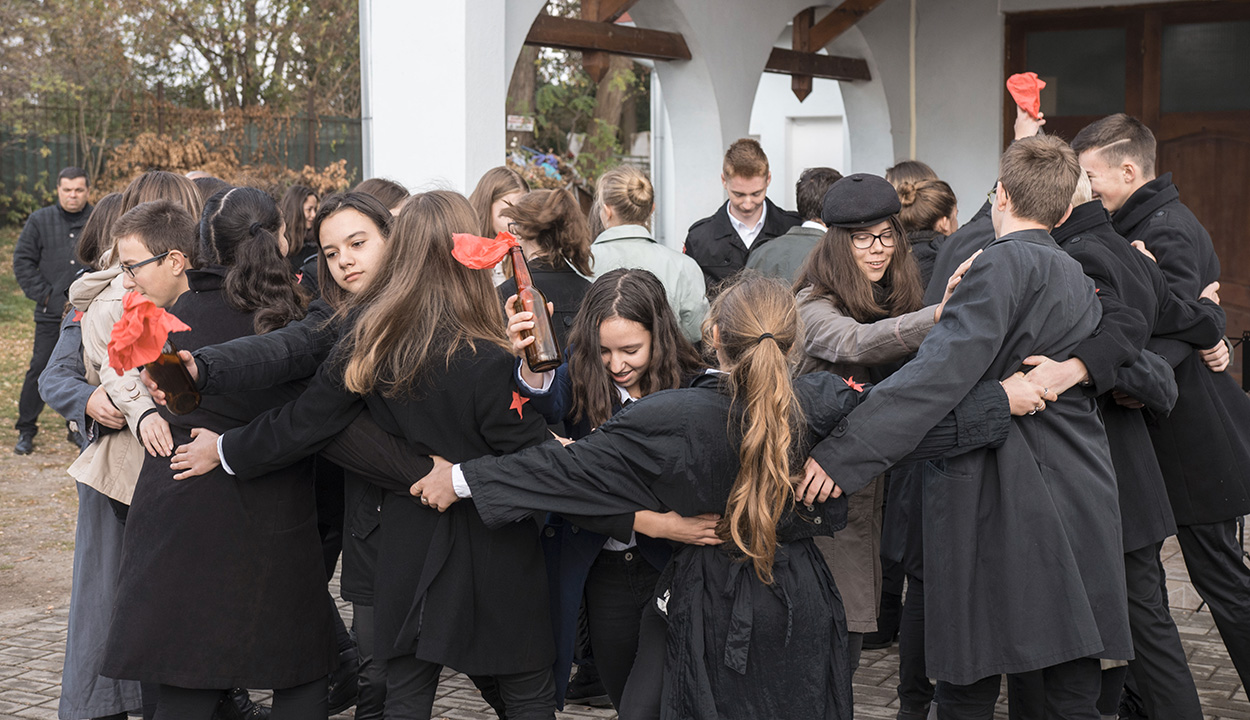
{"x": 25, "y": 443}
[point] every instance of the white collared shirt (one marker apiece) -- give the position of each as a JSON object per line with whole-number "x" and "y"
{"x": 748, "y": 234}
{"x": 813, "y": 224}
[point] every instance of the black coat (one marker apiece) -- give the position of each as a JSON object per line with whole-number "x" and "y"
{"x": 736, "y": 647}
{"x": 1136, "y": 304}
{"x": 1202, "y": 445}
{"x": 446, "y": 588}
{"x": 715, "y": 245}
{"x": 902, "y": 538}
{"x": 45, "y": 260}
{"x": 1023, "y": 555}
{"x": 925, "y": 246}
{"x": 563, "y": 288}
{"x": 222, "y": 582}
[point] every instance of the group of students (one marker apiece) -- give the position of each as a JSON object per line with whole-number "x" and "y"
{"x": 701, "y": 496}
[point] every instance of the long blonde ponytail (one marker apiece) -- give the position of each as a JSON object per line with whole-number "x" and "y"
{"x": 756, "y": 323}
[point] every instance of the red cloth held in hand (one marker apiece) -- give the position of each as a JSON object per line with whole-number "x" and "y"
{"x": 140, "y": 335}
{"x": 1025, "y": 89}
{"x": 480, "y": 253}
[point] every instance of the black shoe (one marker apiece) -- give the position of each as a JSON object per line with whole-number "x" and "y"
{"x": 887, "y": 623}
{"x": 344, "y": 685}
{"x": 235, "y": 704}
{"x": 587, "y": 689}
{"x": 25, "y": 443}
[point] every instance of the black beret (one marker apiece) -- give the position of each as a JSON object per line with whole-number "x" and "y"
{"x": 859, "y": 200}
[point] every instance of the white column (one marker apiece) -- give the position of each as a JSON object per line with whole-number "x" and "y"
{"x": 434, "y": 86}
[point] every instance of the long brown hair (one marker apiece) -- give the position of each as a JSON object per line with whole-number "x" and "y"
{"x": 553, "y": 220}
{"x": 831, "y": 271}
{"x": 97, "y": 235}
{"x": 924, "y": 203}
{"x": 757, "y": 325}
{"x": 292, "y": 208}
{"x": 494, "y": 184}
{"x": 635, "y": 295}
{"x": 422, "y": 301}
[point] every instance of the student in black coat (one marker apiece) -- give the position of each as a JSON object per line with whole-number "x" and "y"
{"x": 556, "y": 241}
{"x": 1136, "y": 305}
{"x": 353, "y": 227}
{"x": 446, "y": 384}
{"x": 1023, "y": 550}
{"x": 753, "y": 628}
{"x": 1202, "y": 446}
{"x": 221, "y": 583}
{"x": 720, "y": 243}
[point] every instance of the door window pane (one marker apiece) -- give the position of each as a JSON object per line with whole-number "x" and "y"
{"x": 1206, "y": 67}
{"x": 1083, "y": 70}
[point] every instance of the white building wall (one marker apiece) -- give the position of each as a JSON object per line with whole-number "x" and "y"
{"x": 797, "y": 135}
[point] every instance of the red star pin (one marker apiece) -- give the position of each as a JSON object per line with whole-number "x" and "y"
{"x": 850, "y": 382}
{"x": 517, "y": 402}
{"x": 77, "y": 316}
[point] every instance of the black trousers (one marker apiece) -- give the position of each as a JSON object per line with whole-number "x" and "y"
{"x": 411, "y": 685}
{"x": 644, "y": 689}
{"x": 302, "y": 702}
{"x": 915, "y": 692}
{"x": 1219, "y": 574}
{"x": 371, "y": 678}
{"x": 621, "y": 583}
{"x": 30, "y": 403}
{"x": 1071, "y": 692}
{"x": 1160, "y": 671}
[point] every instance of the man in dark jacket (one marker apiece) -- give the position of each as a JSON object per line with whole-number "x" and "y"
{"x": 720, "y": 243}
{"x": 783, "y": 256}
{"x": 1202, "y": 446}
{"x": 1022, "y": 551}
{"x": 45, "y": 265}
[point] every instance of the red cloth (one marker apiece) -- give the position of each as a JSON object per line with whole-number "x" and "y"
{"x": 1025, "y": 89}
{"x": 480, "y": 253}
{"x": 140, "y": 335}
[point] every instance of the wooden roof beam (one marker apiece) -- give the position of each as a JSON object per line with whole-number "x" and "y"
{"x": 841, "y": 19}
{"x": 610, "y": 10}
{"x": 584, "y": 35}
{"x": 832, "y": 67}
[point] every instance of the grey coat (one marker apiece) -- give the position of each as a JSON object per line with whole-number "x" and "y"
{"x": 785, "y": 254}
{"x": 1022, "y": 549}
{"x": 835, "y": 342}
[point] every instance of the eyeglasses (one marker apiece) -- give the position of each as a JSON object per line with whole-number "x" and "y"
{"x": 864, "y": 240}
{"x": 130, "y": 269}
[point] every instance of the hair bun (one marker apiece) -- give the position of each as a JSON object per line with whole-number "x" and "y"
{"x": 254, "y": 228}
{"x": 906, "y": 193}
{"x": 639, "y": 192}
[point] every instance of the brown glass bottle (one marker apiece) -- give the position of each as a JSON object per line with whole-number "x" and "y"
{"x": 172, "y": 378}
{"x": 544, "y": 353}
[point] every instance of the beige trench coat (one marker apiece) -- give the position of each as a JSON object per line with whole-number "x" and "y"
{"x": 110, "y": 464}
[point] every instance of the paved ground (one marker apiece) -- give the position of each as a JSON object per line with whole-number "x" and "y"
{"x": 32, "y": 645}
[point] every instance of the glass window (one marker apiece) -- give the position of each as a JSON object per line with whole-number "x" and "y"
{"x": 1083, "y": 70}
{"x": 1206, "y": 67}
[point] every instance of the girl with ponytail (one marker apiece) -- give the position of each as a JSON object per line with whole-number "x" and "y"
{"x": 753, "y": 627}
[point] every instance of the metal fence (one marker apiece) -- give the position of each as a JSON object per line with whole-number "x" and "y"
{"x": 36, "y": 141}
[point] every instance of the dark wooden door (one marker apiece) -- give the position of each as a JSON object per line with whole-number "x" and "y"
{"x": 1184, "y": 70}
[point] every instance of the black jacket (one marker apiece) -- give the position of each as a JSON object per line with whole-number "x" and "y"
{"x": 1202, "y": 445}
{"x": 44, "y": 260}
{"x": 1136, "y": 303}
{"x": 222, "y": 582}
{"x": 976, "y": 234}
{"x": 446, "y": 588}
{"x": 736, "y": 647}
{"x": 715, "y": 245}
{"x": 563, "y": 288}
{"x": 925, "y": 245}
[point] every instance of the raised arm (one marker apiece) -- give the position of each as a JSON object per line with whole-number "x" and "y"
{"x": 838, "y": 338}
{"x": 255, "y": 362}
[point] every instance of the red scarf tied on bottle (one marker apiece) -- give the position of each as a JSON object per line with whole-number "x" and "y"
{"x": 480, "y": 253}
{"x": 140, "y": 335}
{"x": 1025, "y": 89}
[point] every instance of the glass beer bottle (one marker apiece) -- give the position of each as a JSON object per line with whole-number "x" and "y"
{"x": 544, "y": 353}
{"x": 172, "y": 378}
